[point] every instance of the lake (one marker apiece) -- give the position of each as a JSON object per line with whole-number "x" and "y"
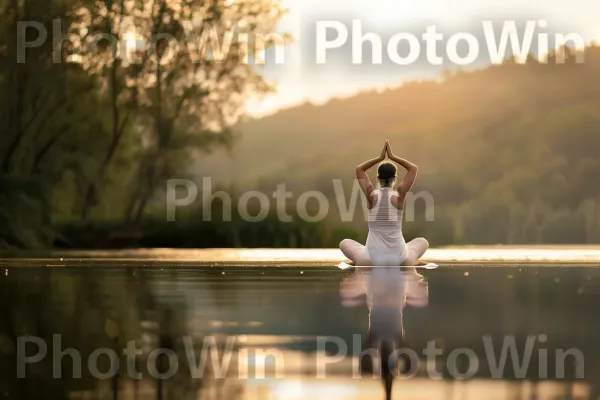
{"x": 257, "y": 324}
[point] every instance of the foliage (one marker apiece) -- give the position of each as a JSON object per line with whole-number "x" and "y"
{"x": 509, "y": 153}
{"x": 24, "y": 216}
{"x": 135, "y": 91}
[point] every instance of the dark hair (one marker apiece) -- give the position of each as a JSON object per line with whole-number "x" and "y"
{"x": 386, "y": 173}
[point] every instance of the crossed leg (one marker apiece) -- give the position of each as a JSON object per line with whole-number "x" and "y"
{"x": 356, "y": 252}
{"x": 416, "y": 249}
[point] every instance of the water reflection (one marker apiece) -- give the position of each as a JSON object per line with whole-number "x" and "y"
{"x": 386, "y": 291}
{"x": 271, "y": 319}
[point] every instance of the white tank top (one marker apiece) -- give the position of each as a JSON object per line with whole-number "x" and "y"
{"x": 385, "y": 243}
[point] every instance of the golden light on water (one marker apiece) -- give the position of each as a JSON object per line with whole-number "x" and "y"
{"x": 517, "y": 254}
{"x": 300, "y": 388}
{"x": 520, "y": 254}
{"x": 505, "y": 255}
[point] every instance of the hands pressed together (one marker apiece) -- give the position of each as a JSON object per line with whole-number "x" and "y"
{"x": 387, "y": 151}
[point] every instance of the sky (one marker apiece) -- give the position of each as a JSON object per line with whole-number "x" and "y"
{"x": 300, "y": 79}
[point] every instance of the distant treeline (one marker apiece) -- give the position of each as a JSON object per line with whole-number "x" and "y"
{"x": 509, "y": 154}
{"x": 195, "y": 233}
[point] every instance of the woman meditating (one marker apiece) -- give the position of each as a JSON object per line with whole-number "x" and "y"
{"x": 385, "y": 243}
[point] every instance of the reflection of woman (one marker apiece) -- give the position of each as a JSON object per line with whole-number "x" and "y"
{"x": 385, "y": 242}
{"x": 388, "y": 291}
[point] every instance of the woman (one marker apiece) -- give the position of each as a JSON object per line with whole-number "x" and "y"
{"x": 385, "y": 243}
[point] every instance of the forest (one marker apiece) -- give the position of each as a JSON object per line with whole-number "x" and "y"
{"x": 508, "y": 153}
{"x": 122, "y": 95}
{"x": 90, "y": 135}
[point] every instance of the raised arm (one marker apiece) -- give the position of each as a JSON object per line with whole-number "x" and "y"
{"x": 411, "y": 172}
{"x": 361, "y": 174}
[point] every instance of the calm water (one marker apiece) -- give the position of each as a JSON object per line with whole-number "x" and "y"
{"x": 295, "y": 332}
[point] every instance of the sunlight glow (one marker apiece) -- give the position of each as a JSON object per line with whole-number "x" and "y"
{"x": 298, "y": 84}
{"x": 131, "y": 40}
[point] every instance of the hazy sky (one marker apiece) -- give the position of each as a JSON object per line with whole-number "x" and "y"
{"x": 300, "y": 79}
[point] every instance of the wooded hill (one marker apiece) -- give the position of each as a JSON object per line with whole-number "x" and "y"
{"x": 509, "y": 153}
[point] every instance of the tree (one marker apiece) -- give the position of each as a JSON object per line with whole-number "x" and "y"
{"x": 177, "y": 74}
{"x": 197, "y": 83}
{"x": 44, "y": 116}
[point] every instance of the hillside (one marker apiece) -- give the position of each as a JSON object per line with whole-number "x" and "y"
{"x": 510, "y": 153}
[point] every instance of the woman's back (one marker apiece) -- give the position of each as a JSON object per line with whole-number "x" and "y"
{"x": 384, "y": 216}
{"x": 385, "y": 242}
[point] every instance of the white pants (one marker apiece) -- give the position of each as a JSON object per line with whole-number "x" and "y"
{"x": 357, "y": 254}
